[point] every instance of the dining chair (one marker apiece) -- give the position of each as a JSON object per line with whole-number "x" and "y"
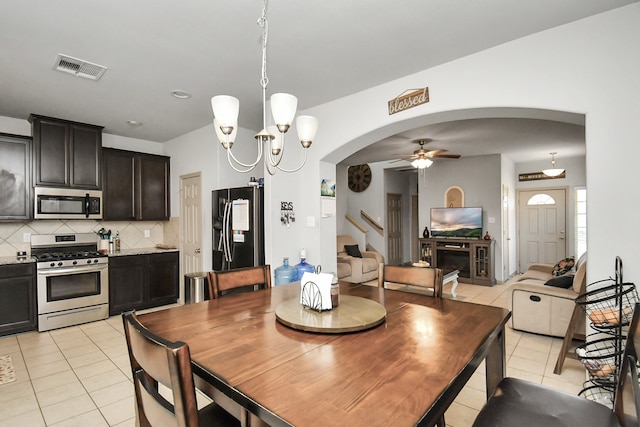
{"x": 239, "y": 280}
{"x": 154, "y": 361}
{"x": 520, "y": 402}
{"x": 423, "y": 277}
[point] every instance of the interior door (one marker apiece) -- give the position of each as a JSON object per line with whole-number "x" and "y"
{"x": 191, "y": 222}
{"x": 394, "y": 229}
{"x": 542, "y": 225}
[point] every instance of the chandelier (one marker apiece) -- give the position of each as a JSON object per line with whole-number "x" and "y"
{"x": 553, "y": 171}
{"x": 283, "y": 107}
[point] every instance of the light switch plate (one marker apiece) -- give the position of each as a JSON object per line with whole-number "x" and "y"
{"x": 26, "y": 237}
{"x": 147, "y": 233}
{"x": 311, "y": 221}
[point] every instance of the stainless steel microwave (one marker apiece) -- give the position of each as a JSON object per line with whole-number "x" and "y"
{"x": 67, "y": 203}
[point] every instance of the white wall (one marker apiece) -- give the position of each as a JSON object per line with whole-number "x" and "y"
{"x": 571, "y": 68}
{"x": 200, "y": 151}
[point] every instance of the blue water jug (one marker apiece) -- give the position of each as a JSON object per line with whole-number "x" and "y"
{"x": 286, "y": 273}
{"x": 303, "y": 266}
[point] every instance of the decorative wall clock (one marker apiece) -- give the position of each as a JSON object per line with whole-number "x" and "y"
{"x": 359, "y": 177}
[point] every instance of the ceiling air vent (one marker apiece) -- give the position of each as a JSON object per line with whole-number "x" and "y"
{"x": 79, "y": 67}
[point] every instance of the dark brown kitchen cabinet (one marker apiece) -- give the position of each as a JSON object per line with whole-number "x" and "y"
{"x": 15, "y": 178}
{"x": 143, "y": 281}
{"x": 17, "y": 298}
{"x": 163, "y": 278}
{"x": 67, "y": 154}
{"x": 126, "y": 283}
{"x": 135, "y": 186}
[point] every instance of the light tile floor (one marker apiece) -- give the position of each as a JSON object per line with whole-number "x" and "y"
{"x": 80, "y": 376}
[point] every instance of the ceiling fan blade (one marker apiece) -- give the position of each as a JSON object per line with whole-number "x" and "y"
{"x": 446, "y": 156}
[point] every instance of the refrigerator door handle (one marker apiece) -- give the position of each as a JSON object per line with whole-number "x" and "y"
{"x": 225, "y": 233}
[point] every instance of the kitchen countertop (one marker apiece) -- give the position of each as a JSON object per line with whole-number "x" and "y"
{"x": 7, "y": 260}
{"x": 13, "y": 260}
{"x": 141, "y": 251}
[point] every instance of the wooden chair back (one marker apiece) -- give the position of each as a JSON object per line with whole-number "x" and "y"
{"x": 626, "y": 405}
{"x": 155, "y": 360}
{"x": 414, "y": 276}
{"x": 240, "y": 279}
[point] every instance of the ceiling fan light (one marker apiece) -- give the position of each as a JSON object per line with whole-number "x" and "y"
{"x": 307, "y": 126}
{"x": 421, "y": 163}
{"x": 225, "y": 110}
{"x": 283, "y": 108}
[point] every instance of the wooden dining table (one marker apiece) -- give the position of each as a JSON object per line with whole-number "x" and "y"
{"x": 405, "y": 371}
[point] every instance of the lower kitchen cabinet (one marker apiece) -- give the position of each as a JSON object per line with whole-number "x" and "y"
{"x": 143, "y": 281}
{"x": 17, "y": 298}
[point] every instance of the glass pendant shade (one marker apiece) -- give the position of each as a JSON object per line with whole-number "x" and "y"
{"x": 225, "y": 139}
{"x": 225, "y": 109}
{"x": 421, "y": 163}
{"x": 283, "y": 108}
{"x": 552, "y": 172}
{"x": 307, "y": 126}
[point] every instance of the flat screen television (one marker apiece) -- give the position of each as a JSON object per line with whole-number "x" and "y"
{"x": 456, "y": 222}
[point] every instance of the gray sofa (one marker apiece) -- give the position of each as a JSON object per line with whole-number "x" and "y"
{"x": 543, "y": 309}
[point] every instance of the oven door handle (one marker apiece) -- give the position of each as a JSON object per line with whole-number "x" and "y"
{"x": 72, "y": 270}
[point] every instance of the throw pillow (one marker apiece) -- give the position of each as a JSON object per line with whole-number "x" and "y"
{"x": 352, "y": 250}
{"x": 565, "y": 281}
{"x": 563, "y": 266}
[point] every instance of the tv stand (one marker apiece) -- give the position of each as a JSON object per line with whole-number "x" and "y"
{"x": 472, "y": 257}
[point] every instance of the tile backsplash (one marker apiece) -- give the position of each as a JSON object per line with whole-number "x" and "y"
{"x": 132, "y": 234}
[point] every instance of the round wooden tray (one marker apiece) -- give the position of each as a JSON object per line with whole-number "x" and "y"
{"x": 351, "y": 315}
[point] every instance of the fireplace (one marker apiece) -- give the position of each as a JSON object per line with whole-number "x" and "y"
{"x": 454, "y": 259}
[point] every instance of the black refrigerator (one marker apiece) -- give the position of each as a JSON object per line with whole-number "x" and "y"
{"x": 238, "y": 227}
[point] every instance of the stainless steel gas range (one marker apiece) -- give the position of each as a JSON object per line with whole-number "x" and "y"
{"x": 72, "y": 279}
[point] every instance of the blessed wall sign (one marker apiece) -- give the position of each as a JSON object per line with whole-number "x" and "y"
{"x": 409, "y": 99}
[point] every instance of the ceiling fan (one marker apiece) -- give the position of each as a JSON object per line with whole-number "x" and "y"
{"x": 422, "y": 158}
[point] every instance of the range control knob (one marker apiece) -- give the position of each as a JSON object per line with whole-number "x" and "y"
{"x": 60, "y": 264}
{"x": 74, "y": 262}
{"x": 53, "y": 264}
{"x": 88, "y": 261}
{"x": 95, "y": 261}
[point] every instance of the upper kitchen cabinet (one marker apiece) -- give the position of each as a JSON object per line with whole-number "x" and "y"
{"x": 67, "y": 154}
{"x": 135, "y": 186}
{"x": 15, "y": 177}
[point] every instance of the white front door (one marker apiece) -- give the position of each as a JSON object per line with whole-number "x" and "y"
{"x": 191, "y": 222}
{"x": 542, "y": 226}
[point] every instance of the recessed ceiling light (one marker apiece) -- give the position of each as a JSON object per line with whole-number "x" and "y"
{"x": 181, "y": 94}
{"x": 134, "y": 123}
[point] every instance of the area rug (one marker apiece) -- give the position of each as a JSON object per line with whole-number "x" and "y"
{"x": 7, "y": 373}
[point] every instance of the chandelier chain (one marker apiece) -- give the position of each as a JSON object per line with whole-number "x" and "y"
{"x": 264, "y": 24}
